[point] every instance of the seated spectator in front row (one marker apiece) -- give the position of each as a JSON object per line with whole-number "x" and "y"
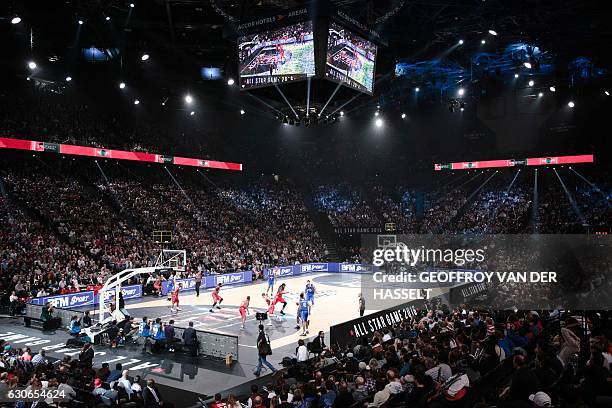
{"x": 104, "y": 372}
{"x": 75, "y": 326}
{"x": 39, "y": 358}
{"x": 218, "y": 402}
{"x": 109, "y": 397}
{"x": 136, "y": 387}
{"x": 125, "y": 383}
{"x": 301, "y": 352}
{"x": 116, "y": 373}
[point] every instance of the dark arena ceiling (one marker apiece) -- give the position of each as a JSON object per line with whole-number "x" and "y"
{"x": 565, "y": 41}
{"x": 188, "y": 34}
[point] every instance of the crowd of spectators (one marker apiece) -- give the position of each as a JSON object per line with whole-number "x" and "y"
{"x": 73, "y": 381}
{"x": 496, "y": 210}
{"x": 466, "y": 357}
{"x": 594, "y": 202}
{"x": 35, "y": 261}
{"x": 345, "y": 206}
{"x": 398, "y": 207}
{"x": 64, "y": 235}
{"x": 484, "y": 203}
{"x": 463, "y": 357}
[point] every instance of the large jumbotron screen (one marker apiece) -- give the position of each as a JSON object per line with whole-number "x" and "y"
{"x": 277, "y": 56}
{"x": 350, "y": 59}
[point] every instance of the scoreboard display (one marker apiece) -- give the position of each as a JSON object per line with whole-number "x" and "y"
{"x": 350, "y": 59}
{"x": 304, "y": 44}
{"x": 276, "y": 56}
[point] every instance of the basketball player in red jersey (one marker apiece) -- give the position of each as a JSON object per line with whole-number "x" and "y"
{"x": 175, "y": 298}
{"x": 270, "y": 304}
{"x": 244, "y": 310}
{"x": 279, "y": 297}
{"x": 216, "y": 298}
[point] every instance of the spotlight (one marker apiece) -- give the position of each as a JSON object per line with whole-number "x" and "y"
{"x": 136, "y": 102}
{"x": 68, "y": 78}
{"x": 242, "y": 112}
{"x": 540, "y": 95}
{"x": 403, "y": 116}
{"x": 461, "y": 109}
{"x": 32, "y": 65}
{"x": 483, "y": 41}
{"x": 531, "y": 82}
{"x": 607, "y": 93}
{"x": 80, "y": 22}
{"x": 342, "y": 112}
{"x": 121, "y": 85}
{"x": 553, "y": 89}
{"x": 516, "y": 75}
{"x": 417, "y": 89}
{"x": 527, "y": 65}
{"x": 192, "y": 113}
{"x": 16, "y": 20}
{"x": 379, "y": 122}
{"x": 460, "y": 42}
{"x": 131, "y": 5}
{"x": 144, "y": 57}
{"x": 230, "y": 81}
{"x": 188, "y": 99}
{"x": 107, "y": 18}
{"x": 492, "y": 32}
{"x": 376, "y": 113}
{"x": 571, "y": 104}
{"x": 461, "y": 92}
{"x": 164, "y": 103}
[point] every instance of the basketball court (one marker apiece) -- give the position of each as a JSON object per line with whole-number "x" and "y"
{"x": 336, "y": 301}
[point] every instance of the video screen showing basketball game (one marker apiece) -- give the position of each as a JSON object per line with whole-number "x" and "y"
{"x": 350, "y": 59}
{"x": 278, "y": 56}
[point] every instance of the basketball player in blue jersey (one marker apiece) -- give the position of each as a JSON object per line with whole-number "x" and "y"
{"x": 271, "y": 278}
{"x": 303, "y": 309}
{"x": 310, "y": 292}
{"x": 170, "y": 288}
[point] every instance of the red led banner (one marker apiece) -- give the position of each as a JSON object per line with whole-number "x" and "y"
{"x": 533, "y": 161}
{"x": 74, "y": 150}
